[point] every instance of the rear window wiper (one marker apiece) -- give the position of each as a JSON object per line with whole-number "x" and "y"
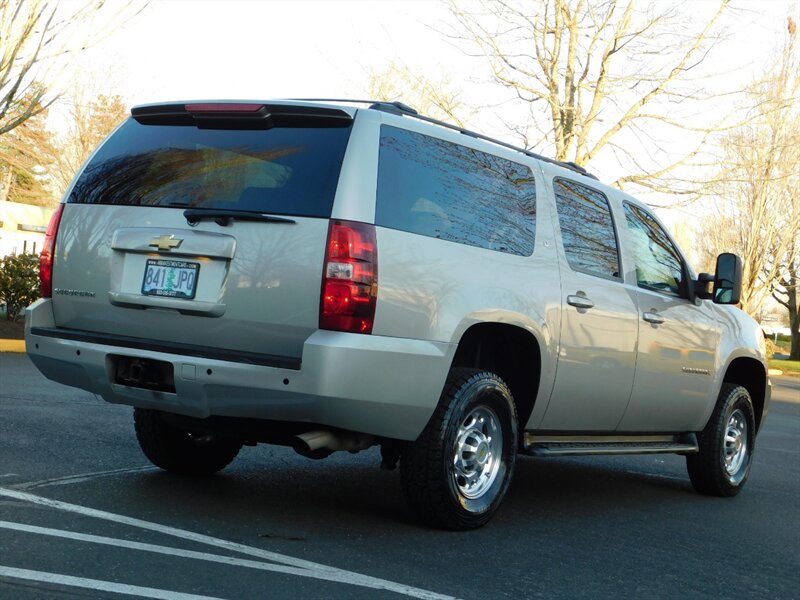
{"x": 225, "y": 216}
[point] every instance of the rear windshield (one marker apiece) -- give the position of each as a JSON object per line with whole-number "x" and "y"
{"x": 283, "y": 170}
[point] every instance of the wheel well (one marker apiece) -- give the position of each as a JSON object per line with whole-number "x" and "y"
{"x": 512, "y": 353}
{"x": 750, "y": 374}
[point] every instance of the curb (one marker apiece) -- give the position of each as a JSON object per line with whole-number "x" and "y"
{"x": 779, "y": 373}
{"x": 12, "y": 345}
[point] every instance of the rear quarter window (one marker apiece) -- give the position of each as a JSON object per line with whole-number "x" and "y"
{"x": 443, "y": 190}
{"x": 283, "y": 170}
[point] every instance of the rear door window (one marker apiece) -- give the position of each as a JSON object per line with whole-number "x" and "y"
{"x": 587, "y": 229}
{"x": 283, "y": 170}
{"x": 447, "y": 191}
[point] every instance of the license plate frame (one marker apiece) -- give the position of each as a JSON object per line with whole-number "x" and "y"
{"x": 166, "y": 289}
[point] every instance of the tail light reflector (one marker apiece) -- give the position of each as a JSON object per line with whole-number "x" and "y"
{"x": 350, "y": 278}
{"x": 48, "y": 254}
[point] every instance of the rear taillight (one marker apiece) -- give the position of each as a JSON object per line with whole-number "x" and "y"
{"x": 48, "y": 253}
{"x": 350, "y": 279}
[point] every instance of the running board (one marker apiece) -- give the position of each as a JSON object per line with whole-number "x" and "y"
{"x": 576, "y": 445}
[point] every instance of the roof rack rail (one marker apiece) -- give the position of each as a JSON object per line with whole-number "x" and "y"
{"x": 404, "y": 110}
{"x": 397, "y": 108}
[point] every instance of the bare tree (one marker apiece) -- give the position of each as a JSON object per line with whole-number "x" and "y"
{"x": 757, "y": 191}
{"x": 436, "y": 99}
{"x": 91, "y": 120}
{"x": 25, "y": 155}
{"x": 787, "y": 293}
{"x": 786, "y": 288}
{"x": 600, "y": 77}
{"x": 37, "y": 37}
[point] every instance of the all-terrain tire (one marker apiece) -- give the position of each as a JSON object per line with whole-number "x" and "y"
{"x": 457, "y": 472}
{"x": 722, "y": 465}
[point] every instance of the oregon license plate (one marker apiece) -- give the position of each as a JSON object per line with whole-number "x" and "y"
{"x": 170, "y": 278}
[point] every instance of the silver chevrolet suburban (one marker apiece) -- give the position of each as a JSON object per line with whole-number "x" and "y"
{"x": 334, "y": 275}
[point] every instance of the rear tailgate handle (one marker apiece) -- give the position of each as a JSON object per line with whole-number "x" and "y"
{"x": 653, "y": 317}
{"x": 580, "y": 302}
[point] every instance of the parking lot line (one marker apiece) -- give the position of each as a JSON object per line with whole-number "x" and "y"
{"x": 330, "y": 573}
{"x": 97, "y": 584}
{"x": 168, "y": 550}
{"x": 79, "y": 478}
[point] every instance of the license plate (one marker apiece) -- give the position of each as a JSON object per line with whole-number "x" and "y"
{"x": 170, "y": 278}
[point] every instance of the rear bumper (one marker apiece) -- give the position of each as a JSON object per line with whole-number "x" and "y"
{"x": 378, "y": 385}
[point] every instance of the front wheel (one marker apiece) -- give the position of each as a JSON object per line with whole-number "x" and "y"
{"x": 180, "y": 451}
{"x": 722, "y": 465}
{"x": 456, "y": 473}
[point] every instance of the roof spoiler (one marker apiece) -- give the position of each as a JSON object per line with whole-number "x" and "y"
{"x": 239, "y": 115}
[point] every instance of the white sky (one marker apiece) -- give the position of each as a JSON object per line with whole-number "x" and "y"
{"x": 181, "y": 49}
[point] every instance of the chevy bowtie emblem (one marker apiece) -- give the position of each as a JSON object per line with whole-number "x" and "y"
{"x": 166, "y": 242}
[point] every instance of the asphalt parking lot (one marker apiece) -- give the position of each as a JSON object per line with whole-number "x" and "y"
{"x": 83, "y": 515}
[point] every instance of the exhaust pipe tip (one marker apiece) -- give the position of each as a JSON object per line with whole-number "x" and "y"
{"x": 304, "y": 448}
{"x": 322, "y": 443}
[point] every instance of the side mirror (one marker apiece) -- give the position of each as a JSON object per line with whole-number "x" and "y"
{"x": 728, "y": 279}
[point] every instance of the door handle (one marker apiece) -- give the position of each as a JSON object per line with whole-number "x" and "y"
{"x": 653, "y": 317}
{"x": 579, "y": 302}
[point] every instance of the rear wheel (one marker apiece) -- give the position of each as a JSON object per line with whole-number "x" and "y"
{"x": 456, "y": 473}
{"x": 722, "y": 465}
{"x": 180, "y": 451}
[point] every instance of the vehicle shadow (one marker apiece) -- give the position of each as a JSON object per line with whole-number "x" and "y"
{"x": 350, "y": 493}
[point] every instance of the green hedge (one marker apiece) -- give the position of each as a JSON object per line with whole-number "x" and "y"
{"x": 19, "y": 283}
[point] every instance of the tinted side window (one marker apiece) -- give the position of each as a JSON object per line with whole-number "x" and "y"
{"x": 587, "y": 229}
{"x": 454, "y": 193}
{"x": 658, "y": 264}
{"x": 283, "y": 170}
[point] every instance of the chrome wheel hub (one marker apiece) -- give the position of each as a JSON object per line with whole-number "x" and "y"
{"x": 734, "y": 449}
{"x": 478, "y": 453}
